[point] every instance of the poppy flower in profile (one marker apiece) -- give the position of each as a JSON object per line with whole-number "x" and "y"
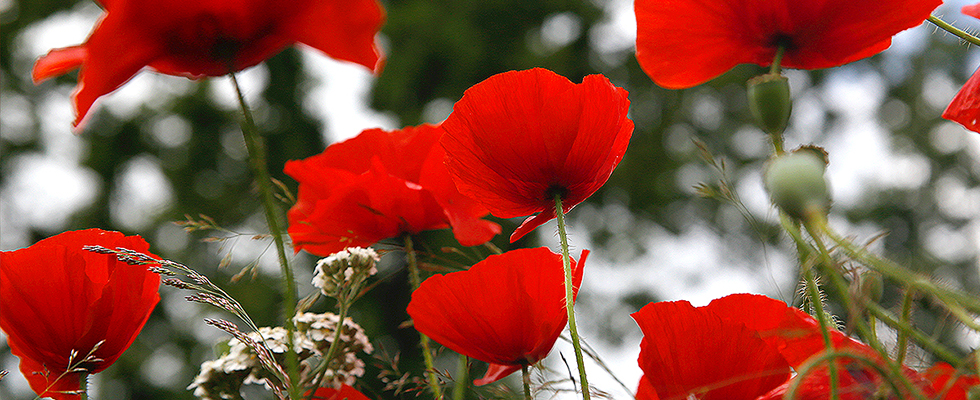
{"x": 744, "y": 346}
{"x": 63, "y": 307}
{"x": 506, "y": 310}
{"x": 377, "y": 185}
{"x": 684, "y": 43}
{"x": 209, "y": 38}
{"x": 965, "y": 107}
{"x": 517, "y": 139}
{"x": 709, "y": 353}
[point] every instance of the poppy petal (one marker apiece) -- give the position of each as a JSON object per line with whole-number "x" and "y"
{"x": 687, "y": 350}
{"x": 377, "y": 185}
{"x": 346, "y": 392}
{"x": 514, "y": 324}
{"x": 719, "y": 35}
{"x": 58, "y": 62}
{"x": 965, "y": 106}
{"x": 496, "y": 372}
{"x": 517, "y": 139}
{"x": 115, "y": 55}
{"x": 349, "y": 38}
{"x": 59, "y": 301}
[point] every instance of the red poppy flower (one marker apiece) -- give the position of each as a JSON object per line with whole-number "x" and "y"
{"x": 965, "y": 107}
{"x": 518, "y": 138}
{"x": 346, "y": 392}
{"x": 209, "y": 38}
{"x": 377, "y": 185}
{"x": 684, "y": 43}
{"x": 743, "y": 346}
{"x": 57, "y": 299}
{"x": 708, "y": 352}
{"x": 506, "y": 310}
{"x": 855, "y": 380}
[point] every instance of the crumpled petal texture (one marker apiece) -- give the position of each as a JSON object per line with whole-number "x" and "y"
{"x": 683, "y": 43}
{"x": 687, "y": 350}
{"x": 378, "y": 185}
{"x": 743, "y": 346}
{"x": 506, "y": 310}
{"x": 209, "y": 38}
{"x": 517, "y": 138}
{"x": 56, "y": 297}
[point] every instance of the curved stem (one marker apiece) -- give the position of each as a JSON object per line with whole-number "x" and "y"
{"x": 903, "y": 336}
{"x": 570, "y": 297}
{"x": 329, "y": 356}
{"x": 946, "y": 26}
{"x": 257, "y": 160}
{"x": 947, "y": 296}
{"x": 413, "y": 273}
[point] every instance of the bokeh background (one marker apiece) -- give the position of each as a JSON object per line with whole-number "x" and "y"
{"x": 164, "y": 147}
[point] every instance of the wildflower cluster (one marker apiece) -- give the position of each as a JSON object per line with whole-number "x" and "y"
{"x": 240, "y": 364}
{"x": 342, "y": 274}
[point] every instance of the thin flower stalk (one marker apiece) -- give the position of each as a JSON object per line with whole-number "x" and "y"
{"x": 946, "y": 26}
{"x": 257, "y": 160}
{"x": 569, "y": 298}
{"x": 893, "y": 271}
{"x": 814, "y": 292}
{"x": 462, "y": 375}
{"x": 526, "y": 378}
{"x": 416, "y": 280}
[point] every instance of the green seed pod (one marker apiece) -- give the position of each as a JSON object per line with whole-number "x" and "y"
{"x": 769, "y": 102}
{"x": 796, "y": 182}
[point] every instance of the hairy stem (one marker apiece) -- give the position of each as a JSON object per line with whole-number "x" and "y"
{"x": 413, "y": 272}
{"x": 257, "y": 160}
{"x": 570, "y": 298}
{"x": 462, "y": 378}
{"x": 946, "y": 26}
{"x": 527, "y": 382}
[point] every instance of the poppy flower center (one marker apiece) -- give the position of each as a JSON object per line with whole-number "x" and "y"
{"x": 205, "y": 38}
{"x": 556, "y": 190}
{"x": 782, "y": 40}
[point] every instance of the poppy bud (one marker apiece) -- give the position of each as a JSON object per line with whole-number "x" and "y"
{"x": 769, "y": 102}
{"x": 796, "y": 182}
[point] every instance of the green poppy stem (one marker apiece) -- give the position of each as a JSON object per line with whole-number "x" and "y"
{"x": 344, "y": 306}
{"x": 527, "y": 382}
{"x": 776, "y": 66}
{"x": 413, "y": 273}
{"x": 257, "y": 160}
{"x": 83, "y": 386}
{"x": 462, "y": 378}
{"x": 570, "y": 298}
{"x": 946, "y": 26}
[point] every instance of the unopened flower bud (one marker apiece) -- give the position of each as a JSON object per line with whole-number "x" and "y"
{"x": 345, "y": 269}
{"x": 769, "y": 102}
{"x": 796, "y": 182}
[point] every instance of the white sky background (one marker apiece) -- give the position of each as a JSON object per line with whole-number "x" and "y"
{"x": 42, "y": 189}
